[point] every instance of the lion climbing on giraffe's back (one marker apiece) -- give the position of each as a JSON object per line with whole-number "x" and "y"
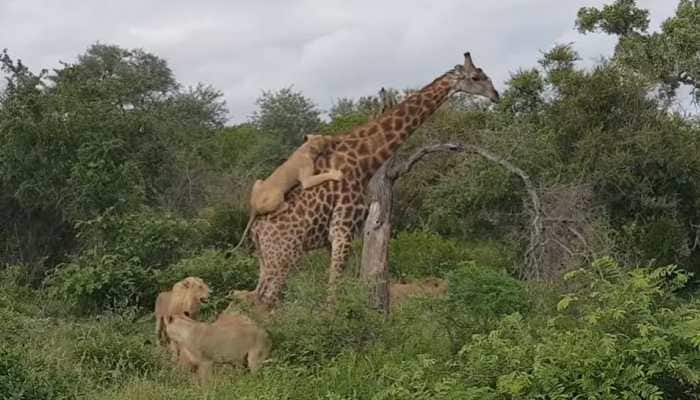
{"x": 268, "y": 195}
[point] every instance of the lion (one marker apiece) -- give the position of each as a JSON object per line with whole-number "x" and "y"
{"x": 231, "y": 339}
{"x": 426, "y": 287}
{"x": 248, "y": 300}
{"x": 268, "y": 195}
{"x": 185, "y": 298}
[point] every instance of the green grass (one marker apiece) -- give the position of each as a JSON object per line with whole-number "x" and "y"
{"x": 619, "y": 332}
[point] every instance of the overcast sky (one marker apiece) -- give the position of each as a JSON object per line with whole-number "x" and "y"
{"x": 325, "y": 48}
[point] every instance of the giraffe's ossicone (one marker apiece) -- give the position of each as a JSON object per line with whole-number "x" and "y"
{"x": 330, "y": 213}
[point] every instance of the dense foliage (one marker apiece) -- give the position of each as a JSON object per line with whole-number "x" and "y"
{"x": 116, "y": 182}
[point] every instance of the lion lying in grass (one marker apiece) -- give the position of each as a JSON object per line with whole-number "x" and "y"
{"x": 185, "y": 298}
{"x": 426, "y": 287}
{"x": 231, "y": 339}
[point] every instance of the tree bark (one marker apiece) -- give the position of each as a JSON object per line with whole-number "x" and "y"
{"x": 374, "y": 269}
{"x": 377, "y": 230}
{"x": 376, "y": 233}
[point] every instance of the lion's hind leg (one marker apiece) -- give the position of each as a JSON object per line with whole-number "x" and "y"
{"x": 256, "y": 357}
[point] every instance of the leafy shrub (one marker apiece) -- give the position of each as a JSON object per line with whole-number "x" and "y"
{"x": 662, "y": 239}
{"x": 421, "y": 253}
{"x": 619, "y": 334}
{"x": 425, "y": 378}
{"x": 478, "y": 296}
{"x": 95, "y": 281}
{"x": 485, "y": 292}
{"x": 474, "y": 199}
{"x": 306, "y": 331}
{"x": 489, "y": 252}
{"x": 152, "y": 238}
{"x": 226, "y": 225}
{"x": 119, "y": 268}
{"x": 415, "y": 254}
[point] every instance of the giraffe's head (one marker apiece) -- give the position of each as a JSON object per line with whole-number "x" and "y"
{"x": 472, "y": 80}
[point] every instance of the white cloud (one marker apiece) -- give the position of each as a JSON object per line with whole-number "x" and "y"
{"x": 326, "y": 48}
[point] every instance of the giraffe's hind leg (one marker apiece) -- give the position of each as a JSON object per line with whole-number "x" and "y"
{"x": 340, "y": 236}
{"x": 277, "y": 257}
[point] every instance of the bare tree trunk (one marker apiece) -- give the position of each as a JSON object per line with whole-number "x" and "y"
{"x": 376, "y": 233}
{"x": 374, "y": 269}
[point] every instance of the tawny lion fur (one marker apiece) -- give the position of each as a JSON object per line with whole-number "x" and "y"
{"x": 185, "y": 298}
{"x": 268, "y": 195}
{"x": 231, "y": 339}
{"x": 426, "y": 287}
{"x": 248, "y": 300}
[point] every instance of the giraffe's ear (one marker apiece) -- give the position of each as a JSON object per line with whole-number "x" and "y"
{"x": 468, "y": 61}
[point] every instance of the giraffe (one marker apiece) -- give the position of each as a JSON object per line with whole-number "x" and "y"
{"x": 329, "y": 214}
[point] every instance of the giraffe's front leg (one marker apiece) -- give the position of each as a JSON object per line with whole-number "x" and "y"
{"x": 341, "y": 244}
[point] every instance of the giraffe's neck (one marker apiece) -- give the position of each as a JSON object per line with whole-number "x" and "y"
{"x": 378, "y": 140}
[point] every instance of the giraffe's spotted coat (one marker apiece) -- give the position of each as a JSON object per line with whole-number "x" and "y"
{"x": 329, "y": 214}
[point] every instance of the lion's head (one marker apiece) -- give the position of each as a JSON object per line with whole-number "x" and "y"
{"x": 316, "y": 144}
{"x": 188, "y": 295}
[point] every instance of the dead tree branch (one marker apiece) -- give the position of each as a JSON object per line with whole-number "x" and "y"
{"x": 377, "y": 230}
{"x": 534, "y": 252}
{"x": 396, "y": 172}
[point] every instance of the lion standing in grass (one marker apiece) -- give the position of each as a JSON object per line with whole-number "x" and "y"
{"x": 231, "y": 339}
{"x": 185, "y": 298}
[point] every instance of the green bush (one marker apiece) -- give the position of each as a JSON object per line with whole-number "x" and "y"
{"x": 425, "y": 378}
{"x": 619, "y": 334}
{"x": 489, "y": 252}
{"x": 95, "y": 281}
{"x": 415, "y": 254}
{"x": 421, "y": 253}
{"x": 478, "y": 296}
{"x": 119, "y": 269}
{"x": 305, "y": 331}
{"x": 226, "y": 225}
{"x": 150, "y": 237}
{"x": 484, "y": 292}
{"x": 662, "y": 239}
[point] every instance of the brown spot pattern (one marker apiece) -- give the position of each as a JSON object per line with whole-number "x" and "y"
{"x": 329, "y": 212}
